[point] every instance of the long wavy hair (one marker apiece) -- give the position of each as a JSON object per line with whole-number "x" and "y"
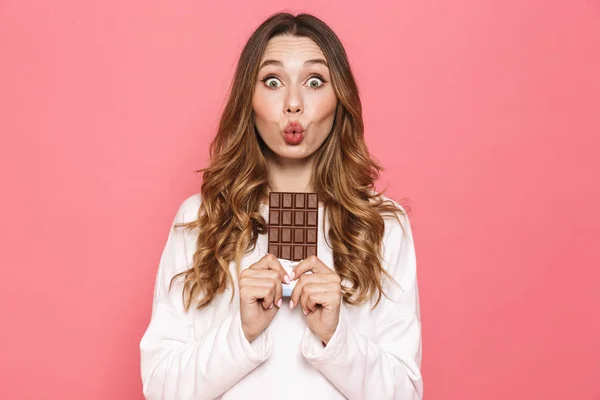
{"x": 236, "y": 180}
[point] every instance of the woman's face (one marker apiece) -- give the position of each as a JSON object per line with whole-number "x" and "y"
{"x": 293, "y": 87}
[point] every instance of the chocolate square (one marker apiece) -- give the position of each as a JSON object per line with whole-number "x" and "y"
{"x": 293, "y": 224}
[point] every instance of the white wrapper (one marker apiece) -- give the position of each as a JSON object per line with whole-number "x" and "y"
{"x": 289, "y": 265}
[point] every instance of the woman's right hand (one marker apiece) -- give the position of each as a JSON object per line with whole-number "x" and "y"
{"x": 261, "y": 294}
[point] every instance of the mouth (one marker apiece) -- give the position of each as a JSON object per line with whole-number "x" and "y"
{"x": 293, "y": 133}
{"x": 294, "y": 127}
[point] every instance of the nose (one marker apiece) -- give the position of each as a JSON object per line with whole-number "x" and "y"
{"x": 293, "y": 103}
{"x": 293, "y": 110}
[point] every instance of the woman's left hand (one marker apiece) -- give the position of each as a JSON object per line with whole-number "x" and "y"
{"x": 319, "y": 294}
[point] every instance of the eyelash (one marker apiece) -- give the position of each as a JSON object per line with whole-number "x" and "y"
{"x": 266, "y": 78}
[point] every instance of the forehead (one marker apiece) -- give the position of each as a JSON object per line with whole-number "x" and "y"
{"x": 291, "y": 47}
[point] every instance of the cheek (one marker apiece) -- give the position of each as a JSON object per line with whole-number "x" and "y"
{"x": 324, "y": 107}
{"x": 264, "y": 106}
{"x": 265, "y": 117}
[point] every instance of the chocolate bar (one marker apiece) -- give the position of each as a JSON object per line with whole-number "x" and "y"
{"x": 293, "y": 224}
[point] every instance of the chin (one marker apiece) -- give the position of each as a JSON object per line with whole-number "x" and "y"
{"x": 297, "y": 152}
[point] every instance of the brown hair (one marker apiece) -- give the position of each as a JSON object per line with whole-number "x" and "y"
{"x": 236, "y": 180}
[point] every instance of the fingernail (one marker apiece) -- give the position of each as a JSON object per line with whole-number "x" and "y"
{"x": 279, "y": 303}
{"x": 304, "y": 311}
{"x": 292, "y": 275}
{"x": 286, "y": 279}
{"x": 271, "y": 306}
{"x": 291, "y": 303}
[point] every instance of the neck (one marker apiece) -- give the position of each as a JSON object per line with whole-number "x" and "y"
{"x": 289, "y": 175}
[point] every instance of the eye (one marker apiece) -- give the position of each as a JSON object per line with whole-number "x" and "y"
{"x": 318, "y": 78}
{"x": 313, "y": 82}
{"x": 270, "y": 78}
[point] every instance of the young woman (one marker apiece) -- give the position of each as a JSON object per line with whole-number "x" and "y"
{"x": 219, "y": 326}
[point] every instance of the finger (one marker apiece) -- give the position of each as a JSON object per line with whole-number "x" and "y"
{"x": 269, "y": 261}
{"x": 312, "y": 263}
{"x": 255, "y": 290}
{"x": 332, "y": 280}
{"x": 316, "y": 278}
{"x": 261, "y": 274}
{"x": 267, "y": 293}
{"x": 326, "y": 295}
{"x": 304, "y": 280}
{"x": 277, "y": 299}
{"x": 308, "y": 290}
{"x": 332, "y": 295}
{"x": 266, "y": 275}
{"x": 324, "y": 299}
{"x": 295, "y": 296}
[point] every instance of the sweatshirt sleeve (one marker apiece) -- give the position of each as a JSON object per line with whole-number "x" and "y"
{"x": 176, "y": 361}
{"x": 387, "y": 365}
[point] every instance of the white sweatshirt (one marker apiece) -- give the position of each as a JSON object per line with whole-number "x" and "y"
{"x": 373, "y": 355}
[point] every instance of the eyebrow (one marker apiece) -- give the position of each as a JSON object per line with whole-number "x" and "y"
{"x": 306, "y": 63}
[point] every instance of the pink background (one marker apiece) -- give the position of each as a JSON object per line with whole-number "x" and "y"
{"x": 485, "y": 114}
